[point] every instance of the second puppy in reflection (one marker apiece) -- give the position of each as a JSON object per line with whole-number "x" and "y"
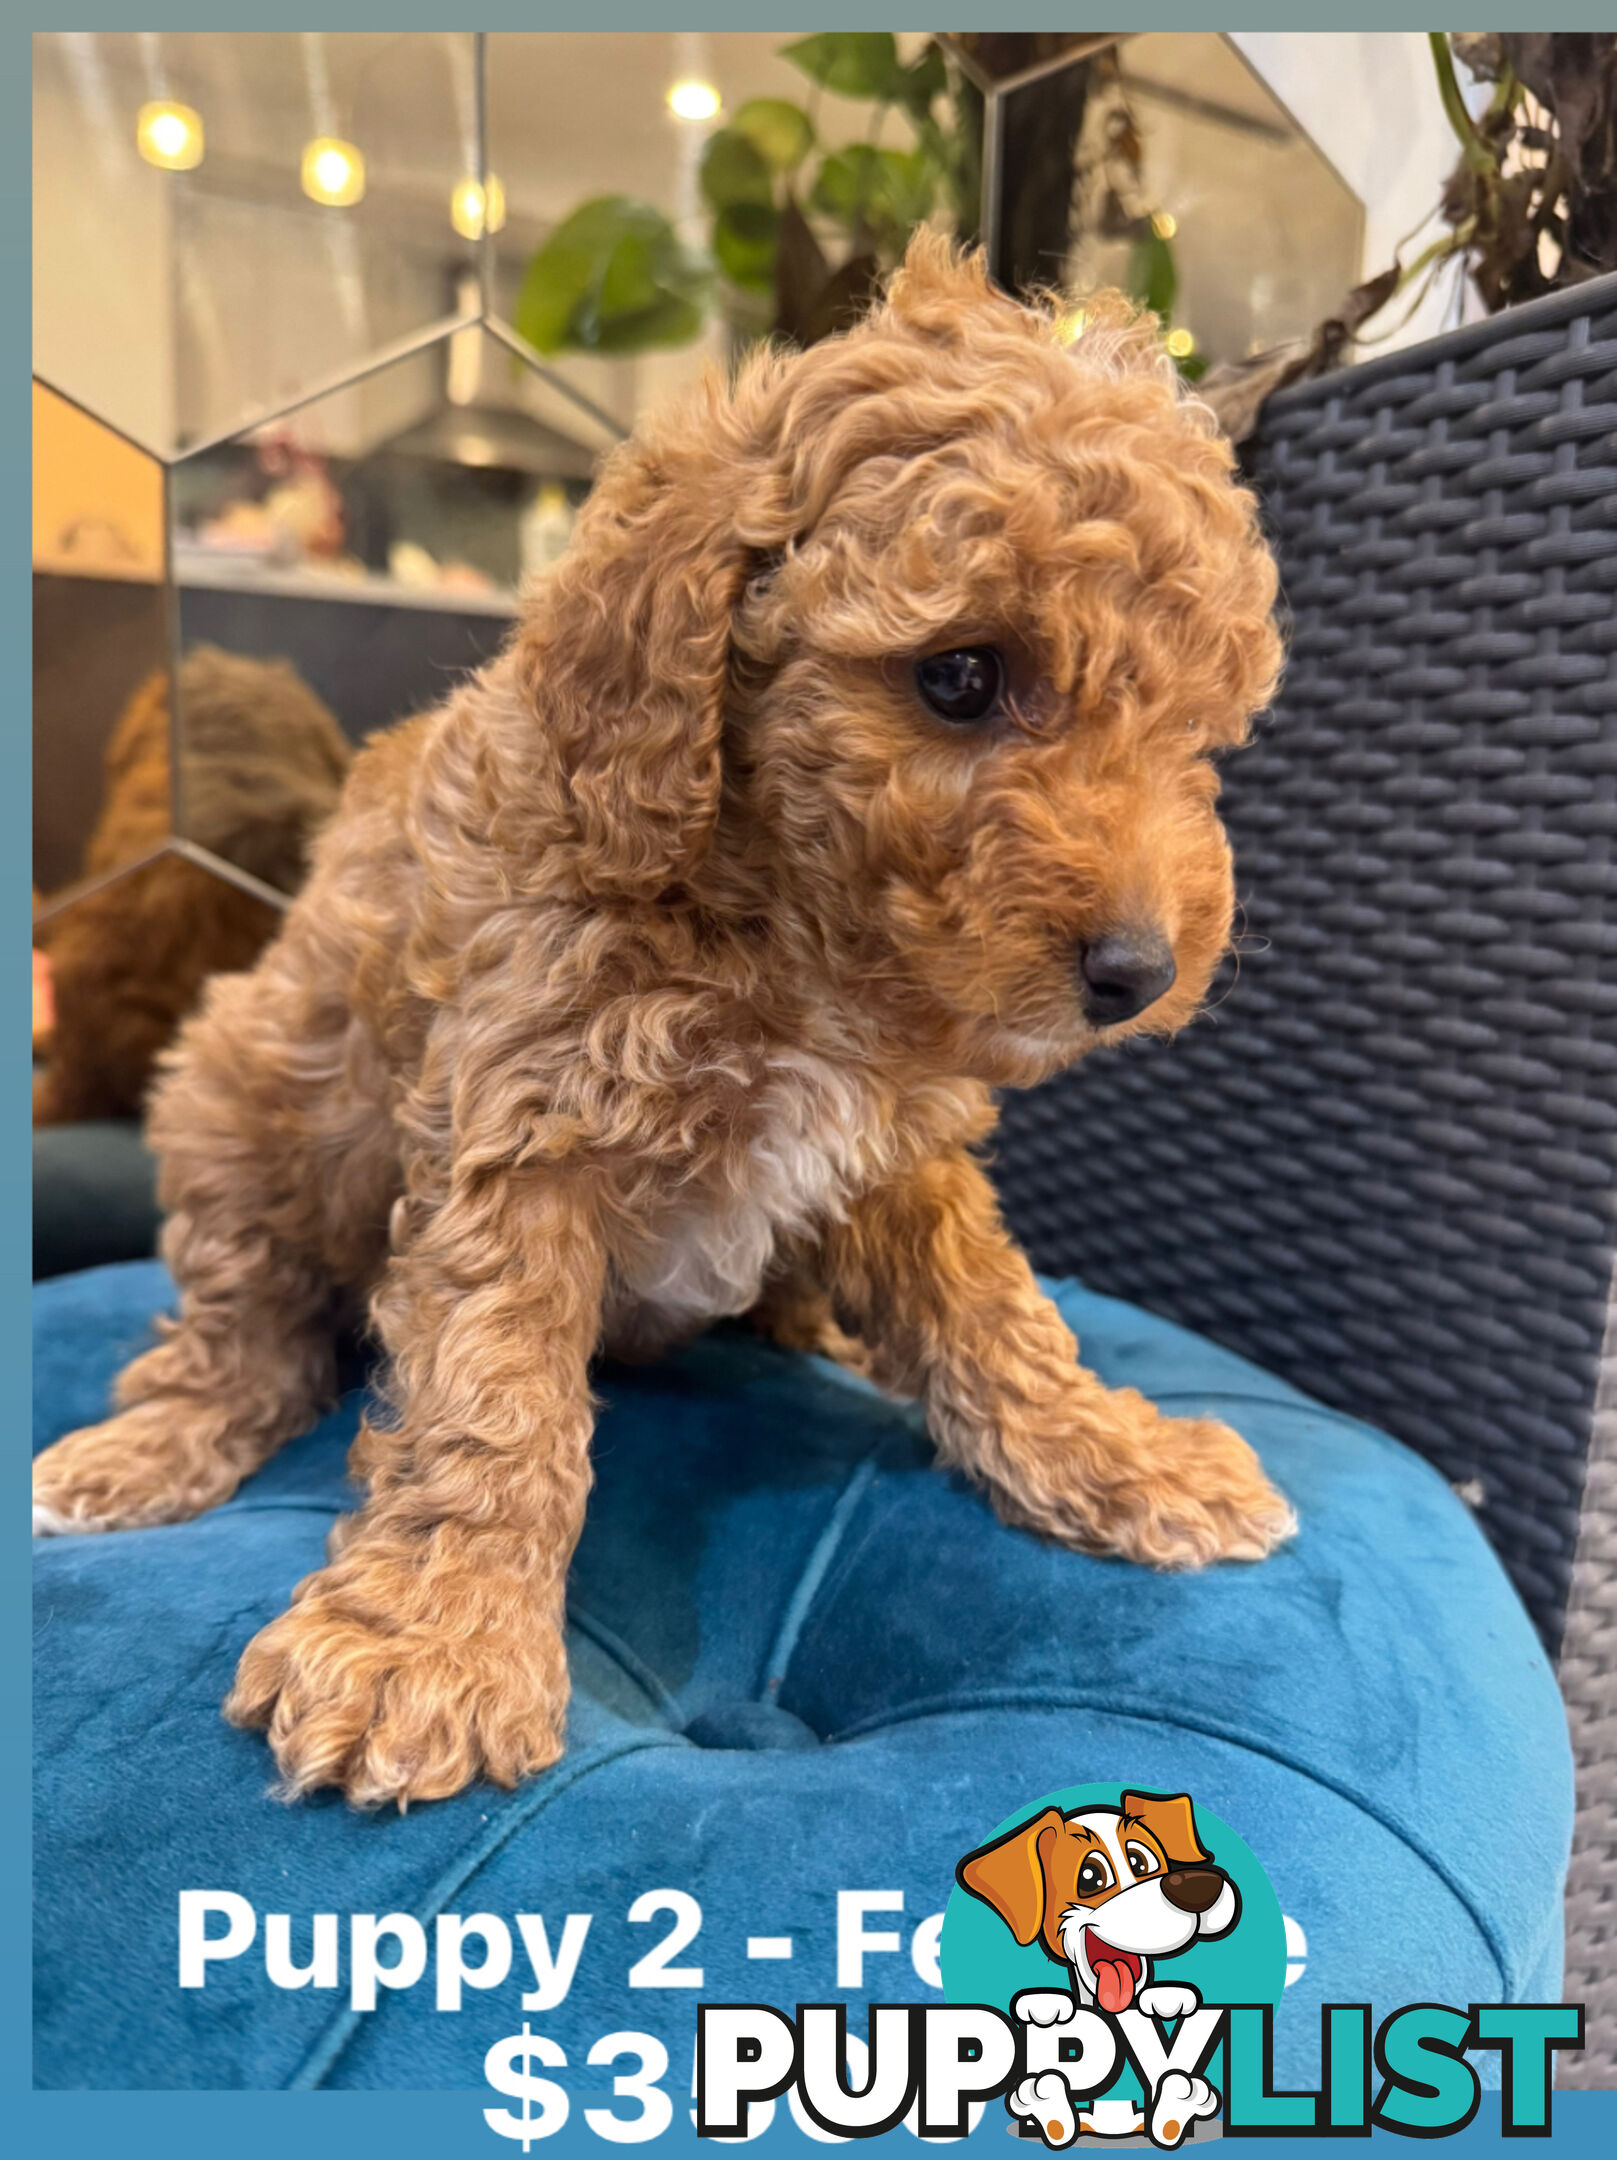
{"x": 262, "y": 763}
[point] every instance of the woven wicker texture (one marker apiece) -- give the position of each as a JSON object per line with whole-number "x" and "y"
{"x": 1589, "y": 1683}
{"x": 1385, "y": 1165}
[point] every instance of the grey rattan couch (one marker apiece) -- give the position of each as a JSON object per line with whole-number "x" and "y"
{"x": 1385, "y": 1165}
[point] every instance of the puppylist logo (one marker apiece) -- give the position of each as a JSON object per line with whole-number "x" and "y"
{"x": 1111, "y": 1892}
{"x": 1113, "y": 1959}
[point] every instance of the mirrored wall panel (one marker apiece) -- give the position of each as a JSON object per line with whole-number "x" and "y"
{"x": 223, "y": 220}
{"x": 665, "y": 198}
{"x": 1162, "y": 164}
{"x": 365, "y": 550}
{"x": 101, "y": 756}
{"x": 332, "y": 330}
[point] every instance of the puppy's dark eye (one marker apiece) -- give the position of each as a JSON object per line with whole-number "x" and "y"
{"x": 1093, "y": 1877}
{"x": 963, "y": 685}
{"x": 1141, "y": 1861}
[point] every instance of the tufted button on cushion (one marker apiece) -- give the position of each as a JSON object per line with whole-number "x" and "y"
{"x": 750, "y": 1725}
{"x": 804, "y": 1662}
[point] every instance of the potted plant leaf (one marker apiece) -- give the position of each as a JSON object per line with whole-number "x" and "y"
{"x": 799, "y": 231}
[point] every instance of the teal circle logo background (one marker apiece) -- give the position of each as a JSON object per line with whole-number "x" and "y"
{"x": 981, "y": 1961}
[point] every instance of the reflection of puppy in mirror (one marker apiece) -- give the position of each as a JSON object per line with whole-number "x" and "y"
{"x": 855, "y": 760}
{"x": 262, "y": 765}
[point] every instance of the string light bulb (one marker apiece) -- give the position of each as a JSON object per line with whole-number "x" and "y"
{"x": 1164, "y": 224}
{"x": 333, "y": 172}
{"x": 169, "y": 135}
{"x": 693, "y": 101}
{"x": 467, "y": 207}
{"x": 1180, "y": 344}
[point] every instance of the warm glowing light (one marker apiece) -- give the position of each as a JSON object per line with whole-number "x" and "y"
{"x": 333, "y": 172}
{"x": 1180, "y": 343}
{"x": 466, "y": 207}
{"x": 1070, "y": 327}
{"x": 693, "y": 101}
{"x": 1164, "y": 224}
{"x": 169, "y": 135}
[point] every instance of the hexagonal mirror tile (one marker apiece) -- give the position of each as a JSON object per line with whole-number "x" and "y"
{"x": 222, "y": 223}
{"x": 1008, "y": 59}
{"x": 101, "y": 791}
{"x": 360, "y": 553}
{"x": 1163, "y": 164}
{"x": 665, "y": 197}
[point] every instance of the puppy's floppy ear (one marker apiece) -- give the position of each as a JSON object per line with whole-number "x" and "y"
{"x": 625, "y": 659}
{"x": 1171, "y": 1820}
{"x": 1009, "y": 1874}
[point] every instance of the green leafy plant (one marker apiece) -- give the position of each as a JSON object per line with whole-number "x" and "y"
{"x": 800, "y": 233}
{"x": 615, "y": 277}
{"x": 1532, "y": 204}
{"x": 1530, "y": 208}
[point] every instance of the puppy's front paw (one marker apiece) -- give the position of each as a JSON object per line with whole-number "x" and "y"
{"x": 1179, "y": 2101}
{"x": 397, "y": 1679}
{"x": 1045, "y": 2101}
{"x": 1201, "y": 1496}
{"x": 162, "y": 1461}
{"x": 1166, "y": 1492}
{"x": 1168, "y": 1999}
{"x": 1043, "y": 2006}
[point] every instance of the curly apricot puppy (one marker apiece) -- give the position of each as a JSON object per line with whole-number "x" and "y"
{"x": 853, "y": 762}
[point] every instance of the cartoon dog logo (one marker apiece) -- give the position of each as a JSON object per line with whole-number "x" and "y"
{"x": 1108, "y": 1892}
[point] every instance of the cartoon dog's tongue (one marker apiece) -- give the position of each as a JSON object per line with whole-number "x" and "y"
{"x": 1114, "y": 1972}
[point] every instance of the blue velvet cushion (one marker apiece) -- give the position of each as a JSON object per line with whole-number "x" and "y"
{"x": 804, "y": 1661}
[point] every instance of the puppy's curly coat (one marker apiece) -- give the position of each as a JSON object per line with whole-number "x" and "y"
{"x": 666, "y": 971}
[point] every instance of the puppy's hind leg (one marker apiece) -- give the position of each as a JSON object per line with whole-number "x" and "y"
{"x": 795, "y": 1309}
{"x": 249, "y": 1360}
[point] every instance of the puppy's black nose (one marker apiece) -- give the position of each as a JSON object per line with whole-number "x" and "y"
{"x": 1122, "y": 973}
{"x": 1192, "y": 1889}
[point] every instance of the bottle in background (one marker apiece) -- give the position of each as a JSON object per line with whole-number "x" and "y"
{"x": 547, "y": 526}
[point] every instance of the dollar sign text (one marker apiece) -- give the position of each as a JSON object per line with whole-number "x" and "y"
{"x": 506, "y": 2068}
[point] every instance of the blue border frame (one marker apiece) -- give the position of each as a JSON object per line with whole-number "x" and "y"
{"x": 175, "y": 2126}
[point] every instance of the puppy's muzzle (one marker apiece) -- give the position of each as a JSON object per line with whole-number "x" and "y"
{"x": 1192, "y": 1889}
{"x": 1122, "y": 973}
